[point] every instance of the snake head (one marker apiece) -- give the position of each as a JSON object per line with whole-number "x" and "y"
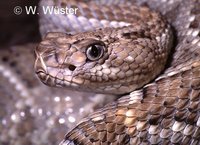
{"x": 64, "y": 60}
{"x": 99, "y": 61}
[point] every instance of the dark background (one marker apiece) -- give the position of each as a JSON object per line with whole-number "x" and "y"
{"x": 17, "y": 29}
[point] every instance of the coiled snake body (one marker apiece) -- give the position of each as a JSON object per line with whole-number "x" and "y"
{"x": 120, "y": 60}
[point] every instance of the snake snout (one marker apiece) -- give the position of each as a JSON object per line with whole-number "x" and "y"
{"x": 40, "y": 69}
{"x": 42, "y": 75}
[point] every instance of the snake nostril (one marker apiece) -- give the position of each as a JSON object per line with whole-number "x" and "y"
{"x": 72, "y": 67}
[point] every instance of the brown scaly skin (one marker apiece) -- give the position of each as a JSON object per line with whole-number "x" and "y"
{"x": 165, "y": 111}
{"x": 128, "y": 55}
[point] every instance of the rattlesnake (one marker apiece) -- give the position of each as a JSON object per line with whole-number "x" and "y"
{"x": 162, "y": 112}
{"x": 166, "y": 111}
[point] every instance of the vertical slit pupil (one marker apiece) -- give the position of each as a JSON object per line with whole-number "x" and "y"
{"x": 94, "y": 51}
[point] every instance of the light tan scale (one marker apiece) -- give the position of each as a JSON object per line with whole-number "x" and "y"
{"x": 119, "y": 50}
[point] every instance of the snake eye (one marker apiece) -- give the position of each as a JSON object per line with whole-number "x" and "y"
{"x": 94, "y": 52}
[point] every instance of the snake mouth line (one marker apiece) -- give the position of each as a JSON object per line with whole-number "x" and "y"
{"x": 55, "y": 81}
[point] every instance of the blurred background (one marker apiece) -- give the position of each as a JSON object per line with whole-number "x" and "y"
{"x": 17, "y": 29}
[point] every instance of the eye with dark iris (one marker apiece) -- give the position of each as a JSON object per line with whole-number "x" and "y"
{"x": 94, "y": 52}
